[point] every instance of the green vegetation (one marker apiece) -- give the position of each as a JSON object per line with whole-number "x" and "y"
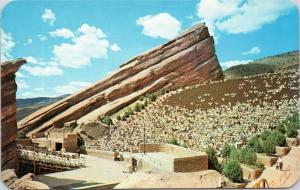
{"x": 291, "y": 131}
{"x": 119, "y": 117}
{"x": 226, "y": 151}
{"x": 247, "y": 156}
{"x": 213, "y": 162}
{"x": 294, "y": 118}
{"x": 137, "y": 107}
{"x": 270, "y": 64}
{"x": 174, "y": 142}
{"x": 255, "y": 144}
{"x": 269, "y": 147}
{"x": 21, "y": 135}
{"x": 281, "y": 128}
{"x": 184, "y": 145}
{"x": 265, "y": 134}
{"x": 233, "y": 171}
{"x": 106, "y": 120}
{"x": 259, "y": 165}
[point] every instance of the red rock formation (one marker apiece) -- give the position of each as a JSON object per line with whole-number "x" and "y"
{"x": 8, "y": 113}
{"x": 186, "y": 60}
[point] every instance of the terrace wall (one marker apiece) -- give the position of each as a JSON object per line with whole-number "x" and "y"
{"x": 185, "y": 160}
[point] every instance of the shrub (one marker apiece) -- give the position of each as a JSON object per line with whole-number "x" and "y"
{"x": 280, "y": 128}
{"x": 137, "y": 107}
{"x": 255, "y": 144}
{"x": 234, "y": 153}
{"x": 119, "y": 117}
{"x": 183, "y": 145}
{"x": 294, "y": 125}
{"x": 213, "y": 162}
{"x": 106, "y": 120}
{"x": 173, "y": 141}
{"x": 151, "y": 97}
{"x": 145, "y": 102}
{"x": 277, "y": 138}
{"x": 141, "y": 98}
{"x": 248, "y": 156}
{"x": 226, "y": 151}
{"x": 294, "y": 118}
{"x": 269, "y": 147}
{"x": 265, "y": 134}
{"x": 291, "y": 132}
{"x": 123, "y": 118}
{"x": 130, "y": 111}
{"x": 259, "y": 165}
{"x": 233, "y": 171}
{"x": 21, "y": 135}
{"x": 142, "y": 106}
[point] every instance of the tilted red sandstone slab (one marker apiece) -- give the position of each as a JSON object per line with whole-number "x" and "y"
{"x": 8, "y": 113}
{"x": 186, "y": 60}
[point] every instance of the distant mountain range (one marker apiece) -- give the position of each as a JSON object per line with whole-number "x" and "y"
{"x": 27, "y": 106}
{"x": 284, "y": 61}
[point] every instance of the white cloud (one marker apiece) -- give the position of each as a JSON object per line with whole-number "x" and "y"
{"x": 254, "y": 50}
{"x": 7, "y": 43}
{"x": 49, "y": 17}
{"x": 63, "y": 32}
{"x": 115, "y": 47}
{"x": 31, "y": 59}
{"x": 235, "y": 16}
{"x": 42, "y": 37}
{"x": 228, "y": 64}
{"x": 90, "y": 44}
{"x": 43, "y": 71}
{"x": 20, "y": 75}
{"x": 71, "y": 87}
{"x": 161, "y": 25}
{"x": 21, "y": 84}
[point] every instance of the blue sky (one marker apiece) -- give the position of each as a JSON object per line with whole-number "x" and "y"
{"x": 71, "y": 44}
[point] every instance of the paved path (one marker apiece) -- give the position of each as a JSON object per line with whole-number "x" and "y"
{"x": 288, "y": 176}
{"x": 97, "y": 171}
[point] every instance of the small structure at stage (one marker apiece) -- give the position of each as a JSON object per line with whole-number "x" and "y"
{"x": 53, "y": 141}
{"x": 172, "y": 158}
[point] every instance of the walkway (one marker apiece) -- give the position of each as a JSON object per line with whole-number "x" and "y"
{"x": 288, "y": 176}
{"x": 97, "y": 171}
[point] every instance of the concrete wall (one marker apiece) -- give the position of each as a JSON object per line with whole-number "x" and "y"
{"x": 268, "y": 161}
{"x": 185, "y": 160}
{"x": 70, "y": 143}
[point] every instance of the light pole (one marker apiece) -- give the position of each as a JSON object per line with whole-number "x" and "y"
{"x": 34, "y": 152}
{"x": 144, "y": 138}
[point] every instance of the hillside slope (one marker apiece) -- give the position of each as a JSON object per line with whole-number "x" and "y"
{"x": 27, "y": 106}
{"x": 188, "y": 59}
{"x": 220, "y": 112}
{"x": 271, "y": 64}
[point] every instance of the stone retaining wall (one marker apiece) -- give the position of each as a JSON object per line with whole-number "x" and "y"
{"x": 185, "y": 160}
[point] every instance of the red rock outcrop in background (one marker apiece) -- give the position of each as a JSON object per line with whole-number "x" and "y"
{"x": 186, "y": 60}
{"x": 8, "y": 114}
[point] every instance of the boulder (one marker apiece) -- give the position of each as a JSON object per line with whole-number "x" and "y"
{"x": 186, "y": 60}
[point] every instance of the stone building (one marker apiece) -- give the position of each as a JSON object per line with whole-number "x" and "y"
{"x": 56, "y": 141}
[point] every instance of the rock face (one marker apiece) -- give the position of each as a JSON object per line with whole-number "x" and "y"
{"x": 11, "y": 180}
{"x": 188, "y": 59}
{"x": 8, "y": 113}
